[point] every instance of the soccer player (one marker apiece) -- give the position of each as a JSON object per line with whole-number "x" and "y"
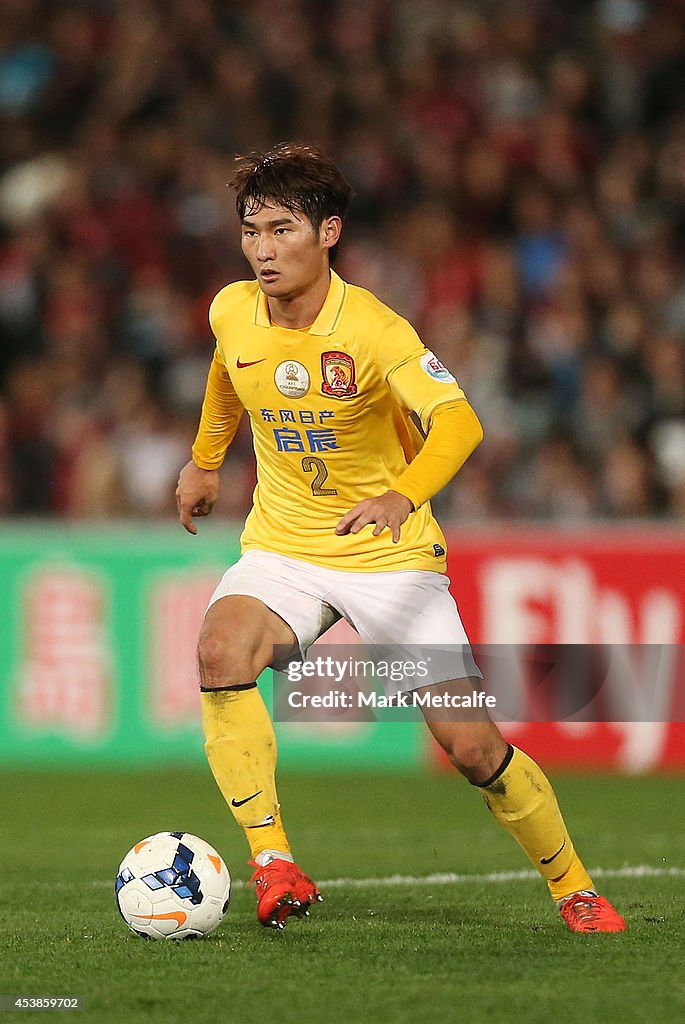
{"x": 341, "y": 524}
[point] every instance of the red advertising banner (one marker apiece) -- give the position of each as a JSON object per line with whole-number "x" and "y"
{"x": 619, "y": 587}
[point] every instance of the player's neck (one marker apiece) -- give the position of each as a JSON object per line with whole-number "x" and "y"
{"x": 301, "y": 309}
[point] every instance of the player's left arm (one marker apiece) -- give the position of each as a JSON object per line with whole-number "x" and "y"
{"x": 454, "y": 433}
{"x": 419, "y": 382}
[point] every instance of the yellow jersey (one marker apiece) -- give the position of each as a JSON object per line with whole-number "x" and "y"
{"x": 329, "y": 408}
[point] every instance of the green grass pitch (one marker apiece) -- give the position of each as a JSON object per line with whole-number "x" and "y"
{"x": 467, "y": 951}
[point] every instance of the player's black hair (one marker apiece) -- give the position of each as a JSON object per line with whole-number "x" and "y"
{"x": 293, "y": 175}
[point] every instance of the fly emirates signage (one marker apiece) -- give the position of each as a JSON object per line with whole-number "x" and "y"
{"x": 603, "y": 612}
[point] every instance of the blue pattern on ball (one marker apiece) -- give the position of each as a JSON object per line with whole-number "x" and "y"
{"x": 180, "y": 877}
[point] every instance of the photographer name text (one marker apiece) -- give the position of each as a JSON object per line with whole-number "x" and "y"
{"x": 345, "y": 700}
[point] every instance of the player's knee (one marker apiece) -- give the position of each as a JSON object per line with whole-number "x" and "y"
{"x": 224, "y": 661}
{"x": 475, "y": 759}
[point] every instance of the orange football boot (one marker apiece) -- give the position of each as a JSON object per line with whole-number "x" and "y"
{"x": 283, "y": 891}
{"x": 587, "y": 912}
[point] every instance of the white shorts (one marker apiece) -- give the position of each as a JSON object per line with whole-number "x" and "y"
{"x": 410, "y": 608}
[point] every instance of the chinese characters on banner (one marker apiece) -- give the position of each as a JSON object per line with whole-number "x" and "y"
{"x": 64, "y": 670}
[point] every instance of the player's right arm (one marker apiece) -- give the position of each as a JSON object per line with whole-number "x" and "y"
{"x": 198, "y": 483}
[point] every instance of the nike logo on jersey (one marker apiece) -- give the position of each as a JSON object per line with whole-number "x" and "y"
{"x": 239, "y": 803}
{"x": 548, "y": 860}
{"x": 253, "y": 362}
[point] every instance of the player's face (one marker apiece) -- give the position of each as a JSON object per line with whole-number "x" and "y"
{"x": 288, "y": 256}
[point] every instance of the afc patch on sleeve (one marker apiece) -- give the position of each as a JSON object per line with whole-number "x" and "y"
{"x": 436, "y": 369}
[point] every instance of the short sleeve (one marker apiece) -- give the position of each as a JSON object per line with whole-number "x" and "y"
{"x": 419, "y": 381}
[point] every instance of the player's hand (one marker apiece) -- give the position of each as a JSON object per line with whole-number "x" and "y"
{"x": 388, "y": 510}
{"x": 196, "y": 494}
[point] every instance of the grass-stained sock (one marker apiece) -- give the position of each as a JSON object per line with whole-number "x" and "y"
{"x": 241, "y": 749}
{"x": 520, "y": 796}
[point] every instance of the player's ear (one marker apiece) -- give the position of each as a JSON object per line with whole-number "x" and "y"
{"x": 331, "y": 229}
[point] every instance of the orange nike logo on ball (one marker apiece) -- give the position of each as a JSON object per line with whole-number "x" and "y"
{"x": 178, "y": 916}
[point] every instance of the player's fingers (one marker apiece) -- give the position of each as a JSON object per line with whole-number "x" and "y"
{"x": 392, "y": 523}
{"x": 347, "y": 520}
{"x": 381, "y": 523}
{"x": 187, "y": 521}
{"x": 341, "y": 527}
{"x": 362, "y": 520}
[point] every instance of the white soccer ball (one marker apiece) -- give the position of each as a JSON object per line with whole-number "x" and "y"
{"x": 172, "y": 886}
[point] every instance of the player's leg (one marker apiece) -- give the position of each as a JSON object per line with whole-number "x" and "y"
{"x": 415, "y": 610}
{"x": 236, "y": 644}
{"x": 255, "y": 610}
{"x": 520, "y": 797}
{"x": 514, "y": 787}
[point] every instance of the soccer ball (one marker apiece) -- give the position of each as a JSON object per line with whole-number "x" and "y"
{"x": 172, "y": 886}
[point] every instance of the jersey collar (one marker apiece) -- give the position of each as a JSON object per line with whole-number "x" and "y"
{"x": 328, "y": 319}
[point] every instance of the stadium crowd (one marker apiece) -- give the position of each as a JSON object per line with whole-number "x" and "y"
{"x": 519, "y": 171}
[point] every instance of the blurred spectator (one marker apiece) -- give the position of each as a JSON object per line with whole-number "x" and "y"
{"x": 519, "y": 172}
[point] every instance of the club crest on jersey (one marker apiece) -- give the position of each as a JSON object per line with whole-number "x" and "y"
{"x": 338, "y": 372}
{"x": 292, "y": 379}
{"x": 436, "y": 369}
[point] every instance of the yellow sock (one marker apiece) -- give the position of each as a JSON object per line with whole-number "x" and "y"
{"x": 241, "y": 749}
{"x": 521, "y": 798}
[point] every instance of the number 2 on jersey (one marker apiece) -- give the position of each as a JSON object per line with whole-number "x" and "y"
{"x": 309, "y": 465}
